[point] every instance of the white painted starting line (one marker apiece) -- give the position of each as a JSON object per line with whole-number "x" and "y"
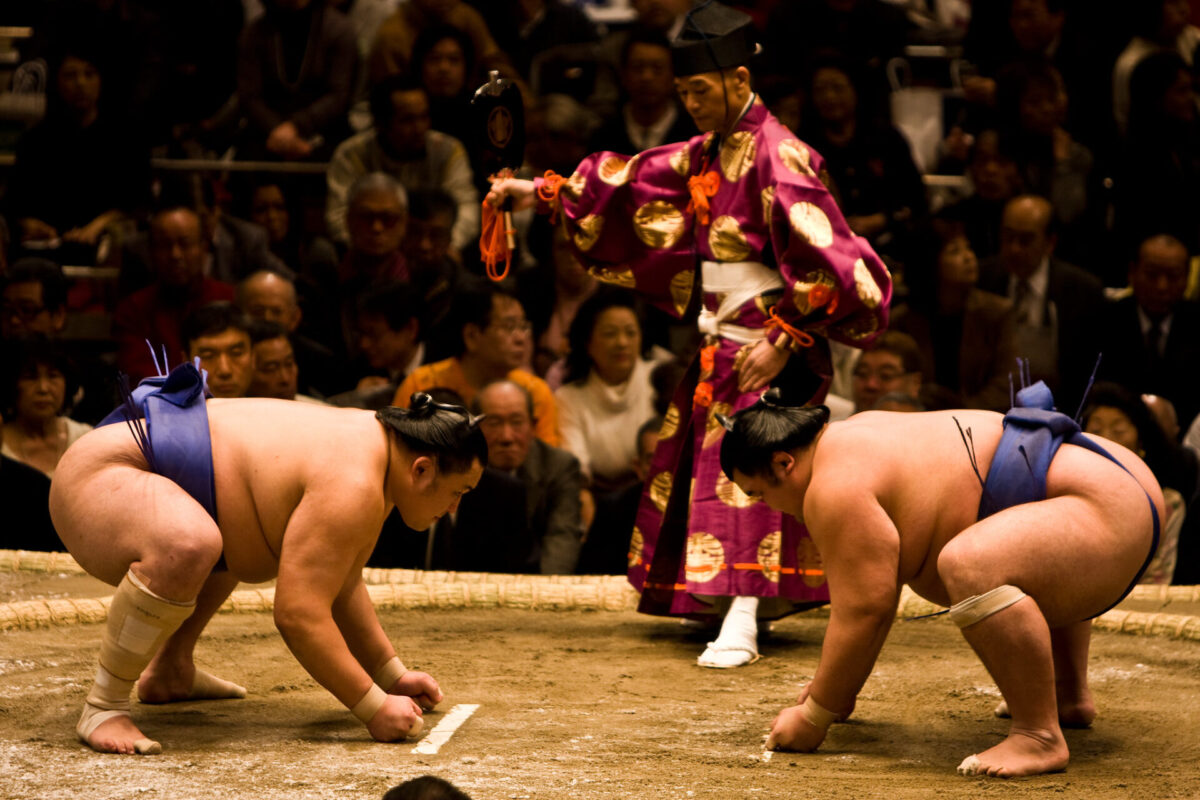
{"x": 442, "y": 732}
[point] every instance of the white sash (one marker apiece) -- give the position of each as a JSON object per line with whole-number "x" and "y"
{"x": 737, "y": 283}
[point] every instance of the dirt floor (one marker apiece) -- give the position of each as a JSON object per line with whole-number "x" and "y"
{"x": 586, "y": 705}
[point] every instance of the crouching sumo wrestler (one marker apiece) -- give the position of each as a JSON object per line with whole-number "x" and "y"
{"x": 1026, "y": 536}
{"x": 206, "y": 494}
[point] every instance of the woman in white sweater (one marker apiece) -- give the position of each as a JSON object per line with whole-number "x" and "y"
{"x": 607, "y": 394}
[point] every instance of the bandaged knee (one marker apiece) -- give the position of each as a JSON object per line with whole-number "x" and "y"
{"x": 981, "y": 606}
{"x": 139, "y": 622}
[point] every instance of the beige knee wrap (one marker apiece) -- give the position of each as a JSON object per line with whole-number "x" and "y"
{"x": 982, "y": 606}
{"x": 139, "y": 621}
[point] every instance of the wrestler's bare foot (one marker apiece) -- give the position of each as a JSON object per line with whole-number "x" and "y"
{"x": 1024, "y": 752}
{"x": 1073, "y": 711}
{"x": 117, "y": 735}
{"x": 162, "y": 683}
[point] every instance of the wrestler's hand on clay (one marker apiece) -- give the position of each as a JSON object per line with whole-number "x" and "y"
{"x": 396, "y": 718}
{"x": 762, "y": 364}
{"x": 792, "y": 731}
{"x": 521, "y": 192}
{"x": 420, "y": 686}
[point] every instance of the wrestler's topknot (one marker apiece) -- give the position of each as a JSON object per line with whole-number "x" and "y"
{"x": 754, "y": 434}
{"x": 447, "y": 433}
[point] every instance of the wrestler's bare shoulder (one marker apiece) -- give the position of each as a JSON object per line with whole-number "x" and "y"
{"x": 909, "y": 439}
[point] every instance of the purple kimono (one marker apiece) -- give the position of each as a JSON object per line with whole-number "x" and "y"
{"x": 771, "y": 242}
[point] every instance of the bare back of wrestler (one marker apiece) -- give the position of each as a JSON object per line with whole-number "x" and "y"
{"x": 301, "y": 494}
{"x": 892, "y": 499}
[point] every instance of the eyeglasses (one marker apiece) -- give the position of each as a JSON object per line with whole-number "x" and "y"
{"x": 23, "y": 311}
{"x": 884, "y": 375}
{"x": 508, "y": 327}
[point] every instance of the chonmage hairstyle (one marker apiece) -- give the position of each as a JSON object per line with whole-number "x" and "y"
{"x": 448, "y": 434}
{"x": 756, "y": 433}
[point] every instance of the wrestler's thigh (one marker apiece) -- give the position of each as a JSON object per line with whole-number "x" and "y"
{"x": 1073, "y": 555}
{"x": 117, "y": 514}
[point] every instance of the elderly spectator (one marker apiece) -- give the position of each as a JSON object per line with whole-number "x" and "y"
{"x": 402, "y": 144}
{"x": 178, "y": 254}
{"x": 965, "y": 334}
{"x": 549, "y": 476}
{"x": 276, "y": 373}
{"x": 1151, "y": 340}
{"x": 79, "y": 171}
{"x": 296, "y": 70}
{"x": 1055, "y": 304}
{"x": 219, "y": 335}
{"x": 38, "y": 386}
{"x": 650, "y": 114}
{"x": 493, "y": 344}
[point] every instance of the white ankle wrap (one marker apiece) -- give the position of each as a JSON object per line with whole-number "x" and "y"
{"x": 982, "y": 606}
{"x": 139, "y": 621}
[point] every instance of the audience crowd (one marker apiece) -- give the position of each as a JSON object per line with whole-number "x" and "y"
{"x": 1070, "y": 239}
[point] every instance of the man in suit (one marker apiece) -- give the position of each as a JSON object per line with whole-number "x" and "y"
{"x": 1151, "y": 339}
{"x": 550, "y": 477}
{"x": 1055, "y": 304}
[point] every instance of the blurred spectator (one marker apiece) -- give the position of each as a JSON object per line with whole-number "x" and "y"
{"x": 868, "y": 159}
{"x": 365, "y": 17}
{"x": 1115, "y": 413}
{"x": 178, "y": 252}
{"x": 898, "y": 401}
{"x": 892, "y": 364}
{"x": 235, "y": 247}
{"x": 606, "y": 547}
{"x": 551, "y": 312}
{"x": 1055, "y": 304}
{"x": 376, "y": 217}
{"x": 1160, "y": 165}
{"x": 269, "y": 296}
{"x": 444, "y": 61}
{"x": 403, "y": 145}
{"x": 493, "y": 343}
{"x": 964, "y": 333}
{"x": 529, "y": 29}
{"x": 25, "y": 498}
{"x": 434, "y": 267}
{"x": 995, "y": 179}
{"x": 607, "y": 392}
{"x": 867, "y": 33}
{"x": 1157, "y": 25}
{"x": 1031, "y": 102}
{"x": 550, "y": 477}
{"x": 34, "y": 303}
{"x": 38, "y": 386}
{"x": 392, "y": 51}
{"x": 426, "y": 787}
{"x": 78, "y": 172}
{"x": 1151, "y": 340}
{"x": 650, "y": 115}
{"x": 219, "y": 335}
{"x": 269, "y": 205}
{"x": 388, "y": 331}
{"x": 558, "y": 128}
{"x": 275, "y": 371}
{"x": 34, "y": 299}
{"x": 297, "y": 65}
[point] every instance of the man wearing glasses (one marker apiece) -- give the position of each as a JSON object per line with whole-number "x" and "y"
{"x": 891, "y": 366}
{"x": 493, "y": 345}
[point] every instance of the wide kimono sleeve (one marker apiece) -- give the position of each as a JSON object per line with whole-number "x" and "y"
{"x": 834, "y": 283}
{"x": 629, "y": 222}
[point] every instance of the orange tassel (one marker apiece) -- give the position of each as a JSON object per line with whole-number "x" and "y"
{"x": 493, "y": 242}
{"x": 798, "y": 336}
{"x": 702, "y": 187}
{"x": 548, "y": 191}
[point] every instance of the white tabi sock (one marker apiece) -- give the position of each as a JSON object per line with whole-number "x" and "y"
{"x": 737, "y": 643}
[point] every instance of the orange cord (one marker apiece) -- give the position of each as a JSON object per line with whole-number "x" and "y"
{"x": 548, "y": 191}
{"x": 493, "y": 242}
{"x": 702, "y": 187}
{"x": 798, "y": 336}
